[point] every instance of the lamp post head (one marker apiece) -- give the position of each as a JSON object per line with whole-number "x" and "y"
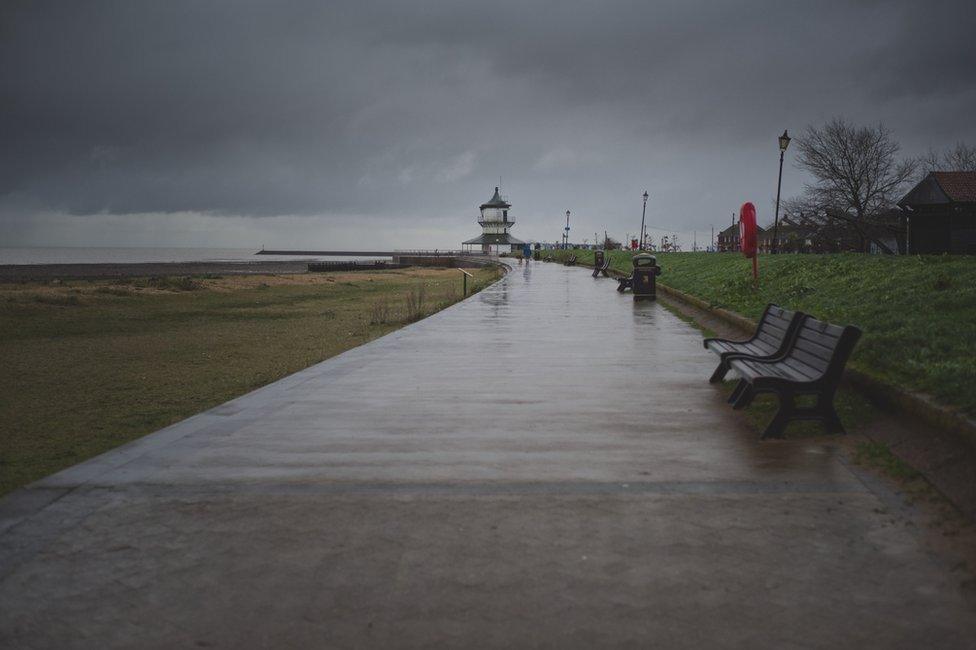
{"x": 784, "y": 141}
{"x": 645, "y": 196}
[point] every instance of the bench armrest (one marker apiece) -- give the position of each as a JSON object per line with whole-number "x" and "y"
{"x": 732, "y": 356}
{"x": 766, "y": 361}
{"x": 716, "y": 339}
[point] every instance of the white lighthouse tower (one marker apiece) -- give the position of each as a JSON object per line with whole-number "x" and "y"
{"x": 495, "y": 222}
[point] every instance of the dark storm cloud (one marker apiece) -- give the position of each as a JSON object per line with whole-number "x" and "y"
{"x": 410, "y": 109}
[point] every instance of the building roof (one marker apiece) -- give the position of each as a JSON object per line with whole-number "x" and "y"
{"x": 496, "y": 201}
{"x": 494, "y": 239}
{"x": 733, "y": 231}
{"x": 959, "y": 186}
{"x": 939, "y": 188}
{"x": 785, "y": 229}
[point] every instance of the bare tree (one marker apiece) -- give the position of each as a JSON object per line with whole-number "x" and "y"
{"x": 961, "y": 158}
{"x": 857, "y": 172}
{"x": 826, "y": 229}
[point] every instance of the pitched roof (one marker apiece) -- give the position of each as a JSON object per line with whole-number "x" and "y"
{"x": 496, "y": 201}
{"x": 958, "y": 186}
{"x": 784, "y": 229}
{"x": 733, "y": 230}
{"x": 493, "y": 239}
{"x": 939, "y": 188}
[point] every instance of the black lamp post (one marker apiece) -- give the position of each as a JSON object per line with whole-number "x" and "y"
{"x": 566, "y": 232}
{"x": 784, "y": 142}
{"x": 643, "y": 214}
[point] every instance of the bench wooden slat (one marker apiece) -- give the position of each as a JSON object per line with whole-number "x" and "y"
{"x": 752, "y": 369}
{"x": 814, "y": 347}
{"x": 748, "y": 347}
{"x": 773, "y": 335}
{"x": 812, "y": 366}
{"x": 811, "y": 363}
{"x": 826, "y": 341}
{"x": 814, "y": 326}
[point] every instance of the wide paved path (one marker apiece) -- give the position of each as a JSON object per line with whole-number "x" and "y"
{"x": 543, "y": 465}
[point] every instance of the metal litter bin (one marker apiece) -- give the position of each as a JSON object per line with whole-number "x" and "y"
{"x": 645, "y": 275}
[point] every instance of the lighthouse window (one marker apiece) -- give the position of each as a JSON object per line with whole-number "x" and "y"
{"x": 505, "y": 215}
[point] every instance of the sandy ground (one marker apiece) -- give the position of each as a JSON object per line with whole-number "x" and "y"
{"x": 69, "y": 290}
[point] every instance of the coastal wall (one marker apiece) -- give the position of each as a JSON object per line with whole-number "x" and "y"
{"x": 442, "y": 261}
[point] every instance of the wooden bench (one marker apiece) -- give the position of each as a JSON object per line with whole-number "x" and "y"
{"x": 772, "y": 337}
{"x": 811, "y": 366}
{"x": 603, "y": 268}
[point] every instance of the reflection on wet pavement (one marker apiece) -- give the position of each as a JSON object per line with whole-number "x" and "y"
{"x": 544, "y": 463}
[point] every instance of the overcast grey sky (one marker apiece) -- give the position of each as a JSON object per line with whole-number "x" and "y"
{"x": 385, "y": 124}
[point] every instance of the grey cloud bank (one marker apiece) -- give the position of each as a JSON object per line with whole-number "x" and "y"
{"x": 242, "y": 123}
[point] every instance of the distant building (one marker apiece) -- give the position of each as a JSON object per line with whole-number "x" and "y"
{"x": 790, "y": 238}
{"x": 495, "y": 222}
{"x": 941, "y": 212}
{"x": 728, "y": 239}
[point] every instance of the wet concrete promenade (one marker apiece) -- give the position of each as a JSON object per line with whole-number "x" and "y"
{"x": 543, "y": 465}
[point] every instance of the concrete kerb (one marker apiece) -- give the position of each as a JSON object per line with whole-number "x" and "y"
{"x": 899, "y": 399}
{"x": 895, "y": 397}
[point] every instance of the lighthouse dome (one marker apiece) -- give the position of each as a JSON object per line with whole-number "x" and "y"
{"x": 496, "y": 201}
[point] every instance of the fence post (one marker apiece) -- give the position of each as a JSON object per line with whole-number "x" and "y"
{"x": 465, "y": 275}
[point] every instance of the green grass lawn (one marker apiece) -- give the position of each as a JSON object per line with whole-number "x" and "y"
{"x": 918, "y": 313}
{"x": 91, "y": 365}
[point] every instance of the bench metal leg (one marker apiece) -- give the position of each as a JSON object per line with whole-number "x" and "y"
{"x": 719, "y": 373}
{"x": 784, "y": 414}
{"x": 831, "y": 420}
{"x": 744, "y": 398}
{"x": 734, "y": 395}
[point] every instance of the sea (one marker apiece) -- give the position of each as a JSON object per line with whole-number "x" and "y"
{"x": 111, "y": 255}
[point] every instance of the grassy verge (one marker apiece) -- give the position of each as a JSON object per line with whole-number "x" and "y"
{"x": 854, "y": 409}
{"x": 880, "y": 457}
{"x": 918, "y": 313}
{"x": 91, "y": 365}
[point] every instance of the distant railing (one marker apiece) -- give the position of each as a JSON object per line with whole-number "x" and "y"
{"x": 439, "y": 252}
{"x": 352, "y": 266}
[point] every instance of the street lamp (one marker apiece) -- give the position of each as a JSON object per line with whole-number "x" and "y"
{"x": 643, "y": 214}
{"x": 566, "y": 232}
{"x": 784, "y": 142}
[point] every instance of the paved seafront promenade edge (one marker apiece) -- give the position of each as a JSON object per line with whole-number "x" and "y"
{"x": 542, "y": 465}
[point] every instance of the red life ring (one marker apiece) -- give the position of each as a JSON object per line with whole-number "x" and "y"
{"x": 747, "y": 229}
